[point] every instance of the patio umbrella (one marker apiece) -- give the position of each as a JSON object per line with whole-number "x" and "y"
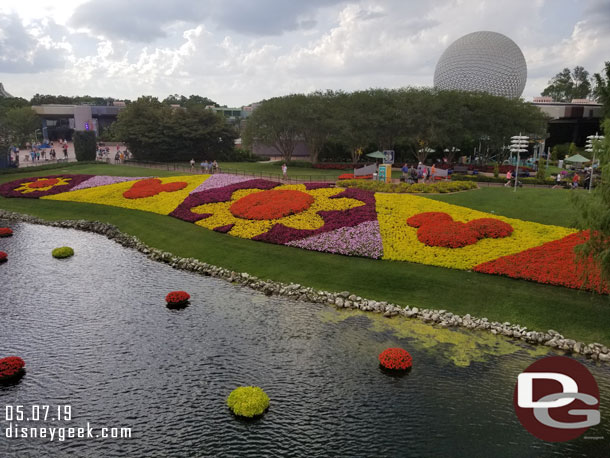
{"x": 577, "y": 158}
{"x": 377, "y": 155}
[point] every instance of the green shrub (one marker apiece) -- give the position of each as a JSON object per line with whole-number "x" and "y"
{"x": 438, "y": 187}
{"x": 486, "y": 179}
{"x": 248, "y": 401}
{"x": 84, "y": 145}
{"x": 541, "y": 172}
{"x": 496, "y": 170}
{"x": 63, "y": 252}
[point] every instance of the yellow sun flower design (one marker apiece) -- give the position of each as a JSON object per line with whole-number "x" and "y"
{"x": 254, "y": 211}
{"x": 42, "y": 184}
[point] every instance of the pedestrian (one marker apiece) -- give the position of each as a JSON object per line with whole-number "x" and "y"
{"x": 284, "y": 170}
{"x": 214, "y": 166}
{"x": 433, "y": 172}
{"x": 405, "y": 171}
{"x": 206, "y": 166}
{"x": 203, "y": 163}
{"x": 192, "y": 162}
{"x": 116, "y": 157}
{"x": 575, "y": 181}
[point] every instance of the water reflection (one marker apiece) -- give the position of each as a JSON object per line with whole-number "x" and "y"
{"x": 96, "y": 335}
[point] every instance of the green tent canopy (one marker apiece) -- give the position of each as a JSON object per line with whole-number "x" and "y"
{"x": 377, "y": 155}
{"x": 577, "y": 158}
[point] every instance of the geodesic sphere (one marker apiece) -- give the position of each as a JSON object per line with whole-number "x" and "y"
{"x": 482, "y": 61}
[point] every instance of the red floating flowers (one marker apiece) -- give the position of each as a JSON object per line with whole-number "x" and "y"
{"x": 151, "y": 187}
{"x": 3, "y": 256}
{"x": 395, "y": 359}
{"x": 439, "y": 229}
{"x": 6, "y": 232}
{"x": 177, "y": 298}
{"x": 11, "y": 367}
{"x": 271, "y": 204}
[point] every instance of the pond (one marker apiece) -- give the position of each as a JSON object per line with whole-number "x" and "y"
{"x": 97, "y": 337}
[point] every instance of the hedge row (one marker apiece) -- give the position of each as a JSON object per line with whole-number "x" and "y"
{"x": 487, "y": 179}
{"x": 379, "y": 186}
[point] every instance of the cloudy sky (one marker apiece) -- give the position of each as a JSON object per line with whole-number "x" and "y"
{"x": 240, "y": 51}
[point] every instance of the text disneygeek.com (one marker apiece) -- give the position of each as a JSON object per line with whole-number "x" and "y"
{"x": 24, "y": 422}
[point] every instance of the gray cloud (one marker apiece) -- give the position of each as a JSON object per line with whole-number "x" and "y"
{"x": 145, "y": 21}
{"x": 598, "y": 15}
{"x": 20, "y": 52}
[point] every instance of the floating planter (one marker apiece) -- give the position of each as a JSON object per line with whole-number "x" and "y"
{"x": 11, "y": 369}
{"x": 177, "y": 299}
{"x": 395, "y": 359}
{"x": 6, "y": 232}
{"x": 3, "y": 256}
{"x": 248, "y": 401}
{"x": 63, "y": 252}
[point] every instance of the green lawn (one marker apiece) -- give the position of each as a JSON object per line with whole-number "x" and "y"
{"x": 576, "y": 314}
{"x": 541, "y": 205}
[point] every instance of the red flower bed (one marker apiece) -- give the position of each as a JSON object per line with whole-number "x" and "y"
{"x": 271, "y": 204}
{"x": 554, "y": 263}
{"x": 3, "y": 256}
{"x": 10, "y": 367}
{"x": 5, "y": 231}
{"x": 176, "y": 298}
{"x": 395, "y": 359}
{"x": 439, "y": 229}
{"x": 151, "y": 187}
{"x": 44, "y": 183}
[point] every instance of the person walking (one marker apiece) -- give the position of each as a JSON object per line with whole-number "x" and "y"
{"x": 192, "y": 162}
{"x": 405, "y": 172}
{"x": 575, "y": 181}
{"x": 433, "y": 172}
{"x": 509, "y": 176}
{"x": 284, "y": 170}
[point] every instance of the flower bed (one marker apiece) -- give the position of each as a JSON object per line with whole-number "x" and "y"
{"x": 3, "y": 256}
{"x": 395, "y": 359}
{"x": 350, "y": 176}
{"x": 439, "y": 229}
{"x": 248, "y": 401}
{"x": 355, "y": 218}
{"x": 177, "y": 299}
{"x": 437, "y": 187}
{"x": 62, "y": 252}
{"x": 11, "y": 368}
{"x": 6, "y": 232}
{"x": 37, "y": 187}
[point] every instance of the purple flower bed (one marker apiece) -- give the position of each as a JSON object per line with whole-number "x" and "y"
{"x": 103, "y": 180}
{"x": 8, "y": 189}
{"x": 333, "y": 219}
{"x": 361, "y": 240}
{"x": 219, "y": 181}
{"x": 214, "y": 195}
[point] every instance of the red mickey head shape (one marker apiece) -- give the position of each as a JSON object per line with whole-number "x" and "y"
{"x": 151, "y": 187}
{"x": 439, "y": 229}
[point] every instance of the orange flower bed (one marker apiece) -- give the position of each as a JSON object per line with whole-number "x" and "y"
{"x": 266, "y": 205}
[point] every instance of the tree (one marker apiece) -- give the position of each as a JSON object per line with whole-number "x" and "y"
{"x": 155, "y": 131}
{"x": 19, "y": 125}
{"x": 316, "y": 120}
{"x": 567, "y": 85}
{"x": 595, "y": 211}
{"x": 275, "y": 123}
{"x": 601, "y": 90}
{"x": 84, "y": 145}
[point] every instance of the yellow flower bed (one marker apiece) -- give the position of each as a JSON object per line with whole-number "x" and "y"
{"x": 162, "y": 203}
{"x": 248, "y": 228}
{"x": 400, "y": 242}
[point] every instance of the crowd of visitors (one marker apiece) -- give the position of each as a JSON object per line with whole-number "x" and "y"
{"x": 420, "y": 174}
{"x": 206, "y": 167}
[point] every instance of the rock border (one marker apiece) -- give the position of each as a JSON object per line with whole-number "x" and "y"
{"x": 344, "y": 299}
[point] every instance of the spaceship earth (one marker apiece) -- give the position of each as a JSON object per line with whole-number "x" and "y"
{"x": 482, "y": 61}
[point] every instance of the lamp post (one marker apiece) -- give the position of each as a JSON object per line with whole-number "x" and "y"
{"x": 518, "y": 144}
{"x": 592, "y": 146}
